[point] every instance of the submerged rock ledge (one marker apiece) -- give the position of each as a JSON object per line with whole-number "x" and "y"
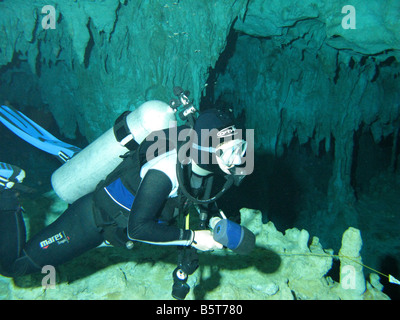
{"x": 282, "y": 267}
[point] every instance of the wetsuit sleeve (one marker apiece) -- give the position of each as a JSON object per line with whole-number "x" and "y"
{"x": 143, "y": 220}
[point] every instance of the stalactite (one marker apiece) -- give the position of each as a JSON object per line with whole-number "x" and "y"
{"x": 393, "y": 162}
{"x": 149, "y": 48}
{"x": 340, "y": 191}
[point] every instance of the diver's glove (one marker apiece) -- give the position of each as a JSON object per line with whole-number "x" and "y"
{"x": 204, "y": 241}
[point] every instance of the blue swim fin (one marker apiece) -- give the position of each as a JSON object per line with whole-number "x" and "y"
{"x": 10, "y": 175}
{"x": 31, "y": 132}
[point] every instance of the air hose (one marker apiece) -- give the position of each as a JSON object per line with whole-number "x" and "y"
{"x": 179, "y": 172}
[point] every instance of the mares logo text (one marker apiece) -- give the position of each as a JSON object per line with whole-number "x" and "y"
{"x": 59, "y": 238}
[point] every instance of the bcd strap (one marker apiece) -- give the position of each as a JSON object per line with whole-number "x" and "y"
{"x": 122, "y": 132}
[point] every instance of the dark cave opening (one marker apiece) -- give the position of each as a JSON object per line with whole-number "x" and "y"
{"x": 371, "y": 158}
{"x": 38, "y": 165}
{"x": 278, "y": 184}
{"x": 22, "y": 92}
{"x": 281, "y": 185}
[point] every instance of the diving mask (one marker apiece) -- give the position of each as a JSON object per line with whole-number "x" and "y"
{"x": 230, "y": 153}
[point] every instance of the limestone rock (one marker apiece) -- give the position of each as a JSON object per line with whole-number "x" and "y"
{"x": 105, "y": 57}
{"x": 283, "y": 266}
{"x": 376, "y": 23}
{"x": 351, "y": 269}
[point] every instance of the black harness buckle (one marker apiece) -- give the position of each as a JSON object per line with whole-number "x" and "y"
{"x": 122, "y": 132}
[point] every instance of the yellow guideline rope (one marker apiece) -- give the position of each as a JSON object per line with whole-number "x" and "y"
{"x": 325, "y": 255}
{"x": 390, "y": 277}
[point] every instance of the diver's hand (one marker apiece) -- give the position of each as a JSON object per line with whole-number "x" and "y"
{"x": 204, "y": 241}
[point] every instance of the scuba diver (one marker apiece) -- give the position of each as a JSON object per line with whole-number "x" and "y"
{"x": 141, "y": 198}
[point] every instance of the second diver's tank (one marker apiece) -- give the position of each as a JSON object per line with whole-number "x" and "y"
{"x": 81, "y": 174}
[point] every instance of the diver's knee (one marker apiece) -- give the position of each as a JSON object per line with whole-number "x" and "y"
{"x": 12, "y": 233}
{"x": 23, "y": 265}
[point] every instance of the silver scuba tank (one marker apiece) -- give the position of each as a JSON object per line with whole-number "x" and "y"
{"x": 81, "y": 174}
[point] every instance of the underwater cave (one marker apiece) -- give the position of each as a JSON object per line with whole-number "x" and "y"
{"x": 323, "y": 100}
{"x": 292, "y": 188}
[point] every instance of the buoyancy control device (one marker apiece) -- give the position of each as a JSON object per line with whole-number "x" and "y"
{"x": 81, "y": 174}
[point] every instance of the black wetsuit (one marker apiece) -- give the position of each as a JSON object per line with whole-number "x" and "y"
{"x": 118, "y": 211}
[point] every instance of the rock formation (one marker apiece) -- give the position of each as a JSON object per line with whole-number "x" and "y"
{"x": 283, "y": 266}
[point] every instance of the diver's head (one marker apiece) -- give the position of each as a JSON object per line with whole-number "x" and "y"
{"x": 220, "y": 145}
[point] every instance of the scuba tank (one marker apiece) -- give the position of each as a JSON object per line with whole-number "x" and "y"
{"x": 81, "y": 174}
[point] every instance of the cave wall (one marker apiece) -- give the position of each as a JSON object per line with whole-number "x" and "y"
{"x": 296, "y": 70}
{"x": 297, "y": 73}
{"x": 105, "y": 57}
